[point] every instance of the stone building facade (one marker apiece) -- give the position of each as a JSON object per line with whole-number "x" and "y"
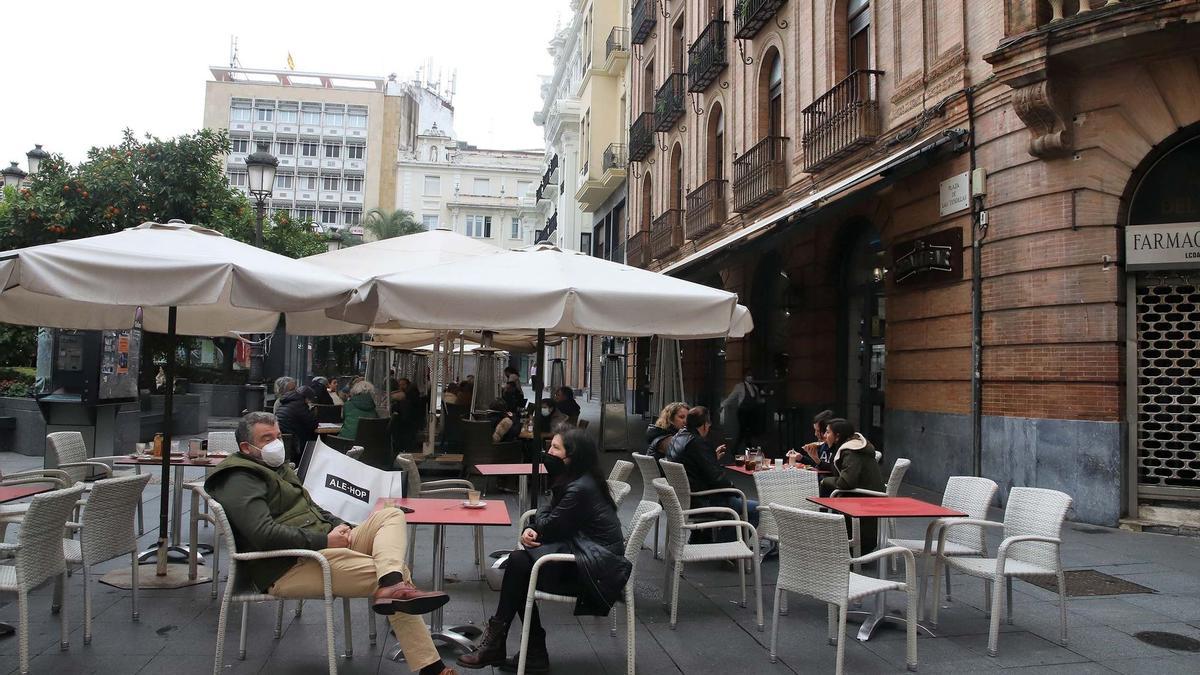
{"x": 924, "y": 203}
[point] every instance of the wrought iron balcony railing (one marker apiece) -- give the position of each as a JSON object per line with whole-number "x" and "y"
{"x": 749, "y": 16}
{"x": 842, "y": 120}
{"x": 615, "y": 157}
{"x": 708, "y": 56}
{"x": 670, "y": 102}
{"x": 645, "y": 15}
{"x": 618, "y": 41}
{"x": 637, "y": 249}
{"x": 705, "y": 209}
{"x": 641, "y": 137}
{"x": 760, "y": 174}
{"x": 666, "y": 233}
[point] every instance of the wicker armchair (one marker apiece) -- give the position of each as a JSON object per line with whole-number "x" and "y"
{"x": 453, "y": 487}
{"x": 37, "y": 557}
{"x": 68, "y": 451}
{"x": 648, "y": 468}
{"x": 621, "y": 471}
{"x": 970, "y": 495}
{"x": 239, "y": 588}
{"x": 787, "y": 487}
{"x": 680, "y": 552}
{"x": 105, "y": 532}
{"x": 13, "y": 513}
{"x": 619, "y": 490}
{"x": 814, "y": 561}
{"x": 646, "y": 514}
{"x": 1032, "y": 529}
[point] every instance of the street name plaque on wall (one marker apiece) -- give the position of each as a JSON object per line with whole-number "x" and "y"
{"x": 1159, "y": 247}
{"x": 932, "y": 259}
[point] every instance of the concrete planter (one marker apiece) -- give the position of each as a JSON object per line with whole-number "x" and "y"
{"x": 220, "y": 400}
{"x": 28, "y": 435}
{"x": 190, "y": 416}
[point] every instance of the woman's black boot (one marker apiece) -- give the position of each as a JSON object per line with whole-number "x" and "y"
{"x": 491, "y": 647}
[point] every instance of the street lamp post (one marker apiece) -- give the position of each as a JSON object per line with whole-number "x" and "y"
{"x": 35, "y": 156}
{"x": 260, "y": 175}
{"x": 13, "y": 175}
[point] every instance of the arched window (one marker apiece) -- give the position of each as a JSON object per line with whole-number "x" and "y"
{"x": 858, "y": 35}
{"x": 770, "y": 95}
{"x": 715, "y": 166}
{"x": 675, "y": 196}
{"x": 647, "y": 210}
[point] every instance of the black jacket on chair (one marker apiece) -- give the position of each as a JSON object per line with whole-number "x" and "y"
{"x": 296, "y": 418}
{"x": 579, "y": 517}
{"x": 699, "y": 459}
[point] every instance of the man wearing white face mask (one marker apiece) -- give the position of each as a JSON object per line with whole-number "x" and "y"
{"x": 269, "y": 509}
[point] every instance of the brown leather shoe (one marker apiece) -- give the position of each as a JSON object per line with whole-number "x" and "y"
{"x": 407, "y": 599}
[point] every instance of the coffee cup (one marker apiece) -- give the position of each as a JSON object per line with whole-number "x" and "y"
{"x": 473, "y": 497}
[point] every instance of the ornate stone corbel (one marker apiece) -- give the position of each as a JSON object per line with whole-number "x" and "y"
{"x": 1047, "y": 115}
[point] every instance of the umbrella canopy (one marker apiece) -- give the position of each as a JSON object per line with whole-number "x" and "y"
{"x": 409, "y": 253}
{"x": 544, "y": 287}
{"x": 218, "y": 284}
{"x": 419, "y": 338}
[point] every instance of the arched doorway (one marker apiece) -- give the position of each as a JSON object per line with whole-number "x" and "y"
{"x": 1163, "y": 320}
{"x": 861, "y": 330}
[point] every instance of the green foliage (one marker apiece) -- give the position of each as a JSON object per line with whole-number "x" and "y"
{"x": 18, "y": 345}
{"x": 141, "y": 180}
{"x": 388, "y": 224}
{"x": 16, "y": 382}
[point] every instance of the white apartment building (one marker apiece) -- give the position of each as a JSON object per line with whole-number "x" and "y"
{"x": 482, "y": 193}
{"x": 336, "y": 137}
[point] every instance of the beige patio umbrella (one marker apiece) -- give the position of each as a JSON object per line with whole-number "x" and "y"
{"x": 187, "y": 279}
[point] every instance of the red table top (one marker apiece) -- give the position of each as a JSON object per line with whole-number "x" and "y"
{"x": 885, "y": 507}
{"x": 428, "y": 511}
{"x": 522, "y": 468}
{"x": 746, "y": 472}
{"x": 10, "y": 493}
{"x": 176, "y": 460}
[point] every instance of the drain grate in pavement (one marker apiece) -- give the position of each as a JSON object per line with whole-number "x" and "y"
{"x": 1086, "y": 583}
{"x": 1173, "y": 641}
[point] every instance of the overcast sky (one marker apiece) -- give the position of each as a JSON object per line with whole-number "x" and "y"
{"x": 86, "y": 70}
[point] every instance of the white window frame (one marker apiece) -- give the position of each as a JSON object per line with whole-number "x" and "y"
{"x": 311, "y": 117}
{"x": 332, "y": 214}
{"x": 303, "y": 214}
{"x": 477, "y": 226}
{"x": 239, "y": 145}
{"x": 284, "y": 181}
{"x": 289, "y": 116}
{"x": 356, "y": 151}
{"x": 358, "y": 121}
{"x": 430, "y": 221}
{"x": 285, "y": 148}
{"x": 264, "y": 114}
{"x": 485, "y": 183}
{"x": 335, "y": 119}
{"x": 330, "y": 183}
{"x": 353, "y": 184}
{"x": 436, "y": 183}
{"x": 305, "y": 147}
{"x": 240, "y": 115}
{"x": 333, "y": 151}
{"x": 310, "y": 183}
{"x": 237, "y": 179}
{"x": 515, "y": 231}
{"x": 352, "y": 218}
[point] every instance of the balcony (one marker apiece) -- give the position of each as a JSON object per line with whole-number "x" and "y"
{"x": 749, "y": 16}
{"x": 616, "y": 51}
{"x": 760, "y": 174}
{"x": 666, "y": 233}
{"x": 670, "y": 102}
{"x": 842, "y": 120}
{"x": 637, "y": 249}
{"x": 705, "y": 209}
{"x": 645, "y": 15}
{"x": 595, "y": 188}
{"x": 708, "y": 56}
{"x": 641, "y": 137}
{"x": 615, "y": 157}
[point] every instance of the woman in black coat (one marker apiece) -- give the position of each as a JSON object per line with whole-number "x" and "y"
{"x": 297, "y": 419}
{"x": 580, "y": 519}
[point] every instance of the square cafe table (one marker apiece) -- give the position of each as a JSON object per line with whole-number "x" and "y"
{"x": 747, "y": 472}
{"x": 11, "y": 493}
{"x": 440, "y": 513}
{"x": 179, "y": 462}
{"x": 883, "y": 507}
{"x": 520, "y": 470}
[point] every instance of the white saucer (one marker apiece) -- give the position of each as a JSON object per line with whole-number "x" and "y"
{"x": 469, "y": 505}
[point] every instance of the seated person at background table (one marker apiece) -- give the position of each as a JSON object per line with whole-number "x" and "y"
{"x": 513, "y": 397}
{"x": 334, "y": 392}
{"x": 283, "y": 385}
{"x": 564, "y": 402}
{"x": 450, "y": 394}
{"x": 269, "y": 509}
{"x": 360, "y": 404}
{"x": 512, "y": 375}
{"x": 406, "y": 416}
{"x": 817, "y": 454}
{"x": 466, "y": 390}
{"x": 320, "y": 390}
{"x": 504, "y": 427}
{"x": 672, "y": 418}
{"x": 855, "y": 467}
{"x": 580, "y": 519}
{"x": 548, "y": 417}
{"x": 691, "y": 448}
{"x": 297, "y": 419}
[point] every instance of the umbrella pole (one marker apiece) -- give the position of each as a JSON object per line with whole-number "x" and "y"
{"x": 534, "y": 474}
{"x": 164, "y": 496}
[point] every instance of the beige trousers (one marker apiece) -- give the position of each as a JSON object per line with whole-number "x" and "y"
{"x": 377, "y": 547}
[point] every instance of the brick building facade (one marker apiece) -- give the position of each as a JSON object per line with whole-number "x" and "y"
{"x": 810, "y": 156}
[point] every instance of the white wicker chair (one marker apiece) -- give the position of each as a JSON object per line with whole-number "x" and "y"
{"x": 891, "y": 489}
{"x": 676, "y": 476}
{"x": 814, "y": 561}
{"x": 38, "y": 556}
{"x": 619, "y": 491}
{"x": 621, "y": 471}
{"x": 1032, "y": 526}
{"x": 647, "y": 513}
{"x": 105, "y": 532}
{"x": 13, "y": 513}
{"x": 648, "y": 468}
{"x": 199, "y": 496}
{"x": 968, "y": 494}
{"x": 787, "y": 487}
{"x": 67, "y": 449}
{"x": 452, "y": 487}
{"x": 680, "y": 552}
{"x": 239, "y": 588}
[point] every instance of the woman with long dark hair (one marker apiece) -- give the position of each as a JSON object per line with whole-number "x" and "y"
{"x": 580, "y": 519}
{"x": 855, "y": 467}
